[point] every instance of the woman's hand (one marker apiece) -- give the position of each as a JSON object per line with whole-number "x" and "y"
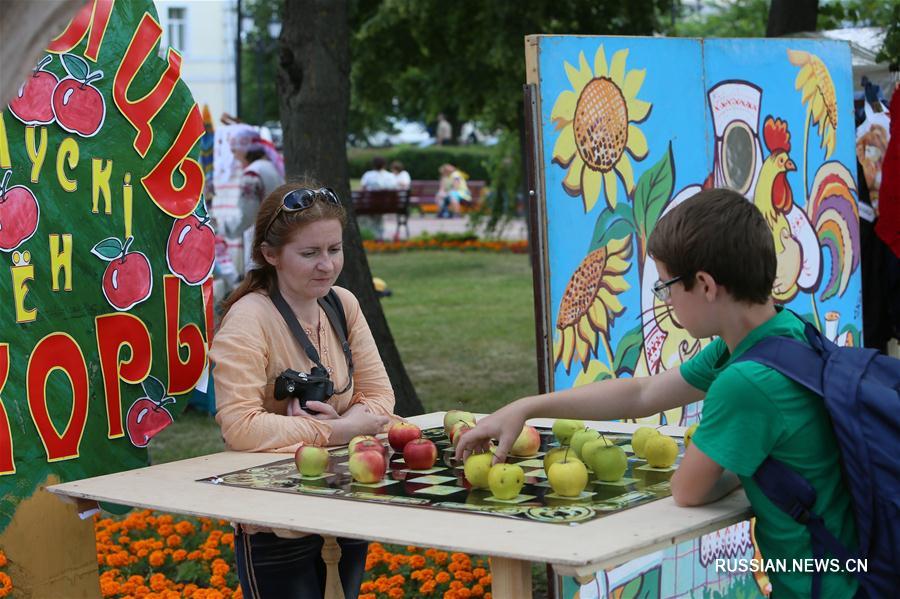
{"x": 356, "y": 421}
{"x": 322, "y": 410}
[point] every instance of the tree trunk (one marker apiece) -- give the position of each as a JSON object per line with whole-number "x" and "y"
{"x": 792, "y": 16}
{"x": 314, "y": 98}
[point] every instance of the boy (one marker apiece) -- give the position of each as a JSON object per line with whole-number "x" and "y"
{"x": 716, "y": 263}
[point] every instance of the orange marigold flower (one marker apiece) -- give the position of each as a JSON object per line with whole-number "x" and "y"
{"x": 157, "y": 558}
{"x": 455, "y": 585}
{"x": 368, "y": 596}
{"x": 173, "y": 540}
{"x": 442, "y": 577}
{"x": 184, "y": 528}
{"x": 463, "y": 593}
{"x": 479, "y": 572}
{"x": 165, "y": 530}
{"x": 477, "y": 590}
{"x": 416, "y": 561}
{"x": 158, "y": 582}
{"x": 485, "y": 580}
{"x": 188, "y": 590}
{"x": 217, "y": 580}
{"x": 487, "y": 596}
{"x": 194, "y": 555}
{"x": 450, "y": 595}
{"x": 228, "y": 539}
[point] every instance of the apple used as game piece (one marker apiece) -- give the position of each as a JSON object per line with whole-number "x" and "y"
{"x": 458, "y": 429}
{"x": 563, "y": 429}
{"x": 372, "y": 445}
{"x": 588, "y": 449}
{"x": 506, "y": 480}
{"x": 351, "y": 446}
{"x": 556, "y": 455}
{"x": 568, "y": 477}
{"x": 454, "y": 416}
{"x": 476, "y": 469}
{"x": 661, "y": 451}
{"x": 689, "y": 434}
{"x": 527, "y": 443}
{"x": 639, "y": 438}
{"x": 311, "y": 460}
{"x": 402, "y": 433}
{"x": 608, "y": 462}
{"x": 420, "y": 454}
{"x": 579, "y": 438}
{"x": 367, "y": 466}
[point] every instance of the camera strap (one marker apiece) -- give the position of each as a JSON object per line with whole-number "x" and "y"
{"x": 337, "y": 324}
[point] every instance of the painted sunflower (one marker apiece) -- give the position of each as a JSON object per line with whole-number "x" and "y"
{"x": 817, "y": 93}
{"x": 596, "y": 127}
{"x": 589, "y": 304}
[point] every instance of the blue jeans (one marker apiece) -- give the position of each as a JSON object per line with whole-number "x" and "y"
{"x": 270, "y": 567}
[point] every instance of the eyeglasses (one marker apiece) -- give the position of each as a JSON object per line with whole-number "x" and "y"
{"x": 661, "y": 289}
{"x": 301, "y": 199}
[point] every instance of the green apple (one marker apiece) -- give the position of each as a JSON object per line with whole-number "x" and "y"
{"x": 588, "y": 449}
{"x": 506, "y": 480}
{"x": 454, "y": 416}
{"x": 311, "y": 460}
{"x": 564, "y": 429}
{"x": 639, "y": 438}
{"x": 689, "y": 434}
{"x": 476, "y": 469}
{"x": 609, "y": 463}
{"x": 568, "y": 477}
{"x": 557, "y": 454}
{"x": 661, "y": 451}
{"x": 527, "y": 443}
{"x": 579, "y": 438}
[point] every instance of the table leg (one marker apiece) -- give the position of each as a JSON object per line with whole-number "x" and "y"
{"x": 510, "y": 578}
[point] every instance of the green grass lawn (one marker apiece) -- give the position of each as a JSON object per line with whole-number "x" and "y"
{"x": 464, "y": 324}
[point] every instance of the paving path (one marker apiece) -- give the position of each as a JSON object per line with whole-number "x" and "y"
{"x": 515, "y": 230}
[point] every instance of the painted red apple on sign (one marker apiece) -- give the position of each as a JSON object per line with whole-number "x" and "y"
{"x": 191, "y": 249}
{"x": 19, "y": 214}
{"x": 33, "y": 102}
{"x": 148, "y": 415}
{"x": 127, "y": 280}
{"x": 79, "y": 107}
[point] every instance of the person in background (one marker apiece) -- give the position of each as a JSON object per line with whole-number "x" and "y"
{"x": 453, "y": 192}
{"x": 401, "y": 175}
{"x": 262, "y": 172}
{"x": 444, "y": 132}
{"x": 298, "y": 253}
{"x": 378, "y": 177}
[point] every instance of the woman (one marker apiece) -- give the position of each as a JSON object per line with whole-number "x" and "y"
{"x": 453, "y": 192}
{"x": 298, "y": 252}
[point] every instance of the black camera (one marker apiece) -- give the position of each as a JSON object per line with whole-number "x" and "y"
{"x": 314, "y": 386}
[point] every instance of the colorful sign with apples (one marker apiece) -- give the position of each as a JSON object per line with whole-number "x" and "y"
{"x": 108, "y": 252}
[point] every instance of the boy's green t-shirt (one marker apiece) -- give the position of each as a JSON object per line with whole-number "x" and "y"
{"x": 750, "y": 412}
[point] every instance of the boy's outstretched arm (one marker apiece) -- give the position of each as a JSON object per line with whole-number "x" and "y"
{"x": 611, "y": 399}
{"x": 699, "y": 480}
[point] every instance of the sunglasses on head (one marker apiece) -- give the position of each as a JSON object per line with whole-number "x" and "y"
{"x": 301, "y": 199}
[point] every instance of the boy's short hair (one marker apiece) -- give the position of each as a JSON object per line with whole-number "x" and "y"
{"x": 719, "y": 232}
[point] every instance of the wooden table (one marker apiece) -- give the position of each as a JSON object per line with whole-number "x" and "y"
{"x": 512, "y": 544}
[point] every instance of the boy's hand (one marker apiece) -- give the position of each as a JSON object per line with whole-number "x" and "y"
{"x": 504, "y": 425}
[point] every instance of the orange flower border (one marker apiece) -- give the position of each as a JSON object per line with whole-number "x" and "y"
{"x": 466, "y": 245}
{"x": 163, "y": 556}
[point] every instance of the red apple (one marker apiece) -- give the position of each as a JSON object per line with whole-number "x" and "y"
{"x": 191, "y": 249}
{"x": 351, "y": 447}
{"x": 367, "y": 466}
{"x": 457, "y": 431}
{"x": 128, "y": 279}
{"x": 78, "y": 106}
{"x": 527, "y": 443}
{"x": 147, "y": 416}
{"x": 402, "y": 433}
{"x": 33, "y": 102}
{"x": 371, "y": 445}
{"x": 420, "y": 454}
{"x": 19, "y": 214}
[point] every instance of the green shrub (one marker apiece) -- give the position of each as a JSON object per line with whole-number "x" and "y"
{"x": 423, "y": 163}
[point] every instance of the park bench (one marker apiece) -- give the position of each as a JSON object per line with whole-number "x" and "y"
{"x": 423, "y": 191}
{"x": 384, "y": 201}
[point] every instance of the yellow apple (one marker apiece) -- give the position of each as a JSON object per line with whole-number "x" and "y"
{"x": 564, "y": 429}
{"x": 689, "y": 434}
{"x": 568, "y": 478}
{"x": 579, "y": 438}
{"x": 454, "y": 416}
{"x": 639, "y": 438}
{"x": 506, "y": 480}
{"x": 661, "y": 451}
{"x": 476, "y": 469}
{"x": 557, "y": 454}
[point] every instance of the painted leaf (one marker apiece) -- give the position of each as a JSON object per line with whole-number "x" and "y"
{"x": 154, "y": 389}
{"x": 109, "y": 249}
{"x": 628, "y": 351}
{"x": 611, "y": 224}
{"x": 654, "y": 189}
{"x": 76, "y": 66}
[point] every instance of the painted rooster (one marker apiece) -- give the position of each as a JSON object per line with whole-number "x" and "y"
{"x": 830, "y": 219}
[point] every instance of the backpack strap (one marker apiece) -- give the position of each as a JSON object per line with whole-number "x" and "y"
{"x": 794, "y": 359}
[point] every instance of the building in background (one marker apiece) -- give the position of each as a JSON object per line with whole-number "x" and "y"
{"x": 204, "y": 32}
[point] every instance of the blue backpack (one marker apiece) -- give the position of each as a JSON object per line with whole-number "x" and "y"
{"x": 861, "y": 389}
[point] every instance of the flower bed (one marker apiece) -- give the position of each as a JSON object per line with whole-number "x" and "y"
{"x": 438, "y": 243}
{"x": 161, "y": 556}
{"x": 6, "y": 586}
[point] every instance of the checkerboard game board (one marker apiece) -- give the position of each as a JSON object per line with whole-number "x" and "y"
{"x": 444, "y": 486}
